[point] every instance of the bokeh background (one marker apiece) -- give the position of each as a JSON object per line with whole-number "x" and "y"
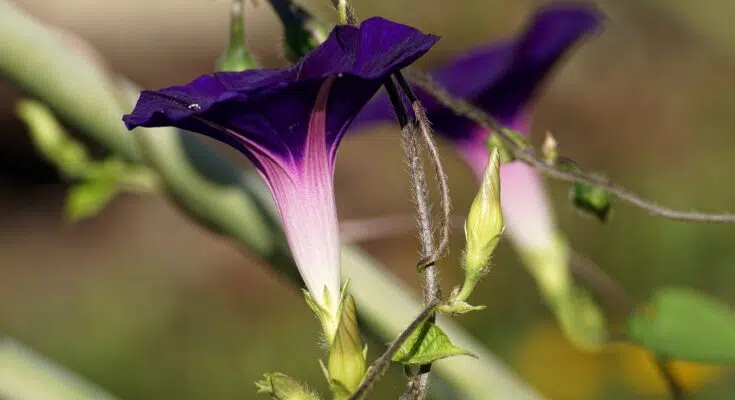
{"x": 149, "y": 305}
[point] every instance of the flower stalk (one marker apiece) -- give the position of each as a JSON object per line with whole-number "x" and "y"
{"x": 346, "y": 12}
{"x": 432, "y": 291}
{"x": 236, "y": 57}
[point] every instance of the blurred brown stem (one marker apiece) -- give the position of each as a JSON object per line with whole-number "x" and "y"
{"x": 464, "y": 108}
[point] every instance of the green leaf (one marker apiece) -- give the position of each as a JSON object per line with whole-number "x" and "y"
{"x": 89, "y": 198}
{"x": 427, "y": 344}
{"x": 687, "y": 325}
{"x": 592, "y": 200}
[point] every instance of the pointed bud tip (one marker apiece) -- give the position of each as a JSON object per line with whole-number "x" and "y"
{"x": 458, "y": 307}
{"x": 282, "y": 387}
{"x": 550, "y": 149}
{"x": 484, "y": 225}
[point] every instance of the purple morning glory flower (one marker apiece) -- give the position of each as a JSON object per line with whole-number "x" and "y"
{"x": 289, "y": 123}
{"x": 502, "y": 79}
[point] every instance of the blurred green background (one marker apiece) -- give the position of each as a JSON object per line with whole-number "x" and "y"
{"x": 149, "y": 305}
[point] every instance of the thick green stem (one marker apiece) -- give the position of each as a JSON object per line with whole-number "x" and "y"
{"x": 27, "y": 375}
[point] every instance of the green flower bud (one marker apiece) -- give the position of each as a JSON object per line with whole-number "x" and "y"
{"x": 283, "y": 387}
{"x": 483, "y": 227}
{"x": 236, "y": 57}
{"x": 346, "y": 365}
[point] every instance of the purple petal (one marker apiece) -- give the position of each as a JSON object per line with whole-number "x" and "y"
{"x": 268, "y": 110}
{"x": 551, "y": 34}
{"x": 375, "y": 50}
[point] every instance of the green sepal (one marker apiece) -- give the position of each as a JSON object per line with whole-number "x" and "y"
{"x": 426, "y": 344}
{"x": 236, "y": 60}
{"x": 325, "y": 372}
{"x": 328, "y": 314}
{"x": 517, "y": 139}
{"x": 458, "y": 307}
{"x": 346, "y": 365}
{"x": 495, "y": 142}
{"x": 339, "y": 391}
{"x": 684, "y": 324}
{"x": 236, "y": 57}
{"x": 282, "y": 387}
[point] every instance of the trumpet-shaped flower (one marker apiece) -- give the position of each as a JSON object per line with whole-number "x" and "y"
{"x": 289, "y": 123}
{"x": 502, "y": 79}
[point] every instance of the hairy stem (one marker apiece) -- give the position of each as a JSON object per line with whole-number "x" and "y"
{"x": 464, "y": 108}
{"x": 440, "y": 175}
{"x": 380, "y": 365}
{"x": 346, "y": 12}
{"x": 432, "y": 291}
